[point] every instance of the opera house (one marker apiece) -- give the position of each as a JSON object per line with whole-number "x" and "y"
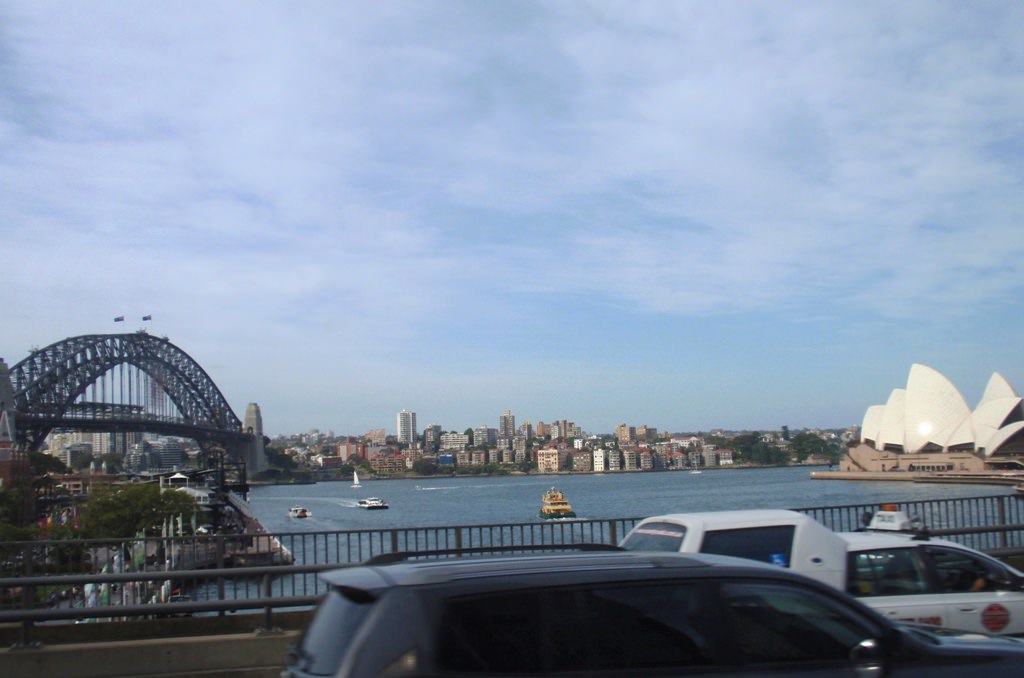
{"x": 928, "y": 427}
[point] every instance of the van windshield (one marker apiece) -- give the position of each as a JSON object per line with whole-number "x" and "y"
{"x": 655, "y": 537}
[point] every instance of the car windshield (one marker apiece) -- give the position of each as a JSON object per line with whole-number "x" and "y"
{"x": 655, "y": 537}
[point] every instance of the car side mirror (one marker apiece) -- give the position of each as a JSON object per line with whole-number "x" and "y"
{"x": 869, "y": 649}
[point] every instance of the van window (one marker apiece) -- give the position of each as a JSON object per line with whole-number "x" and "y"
{"x": 771, "y": 544}
{"x": 655, "y": 537}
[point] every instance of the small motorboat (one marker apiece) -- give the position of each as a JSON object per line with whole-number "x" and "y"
{"x": 556, "y": 505}
{"x": 373, "y": 503}
{"x": 299, "y": 512}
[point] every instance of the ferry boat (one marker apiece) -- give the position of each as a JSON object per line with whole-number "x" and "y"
{"x": 299, "y": 512}
{"x": 556, "y": 505}
{"x": 373, "y": 503}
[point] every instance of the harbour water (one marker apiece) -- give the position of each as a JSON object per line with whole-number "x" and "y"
{"x": 428, "y": 502}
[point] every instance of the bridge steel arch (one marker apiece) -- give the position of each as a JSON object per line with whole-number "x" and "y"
{"x": 49, "y": 381}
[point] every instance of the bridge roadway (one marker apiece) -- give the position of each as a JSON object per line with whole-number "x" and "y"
{"x": 209, "y": 647}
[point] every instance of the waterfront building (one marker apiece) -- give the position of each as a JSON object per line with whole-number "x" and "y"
{"x": 387, "y": 462}
{"x": 582, "y": 460}
{"x": 613, "y": 461}
{"x": 645, "y": 459}
{"x": 406, "y": 427}
{"x": 547, "y": 460}
{"x": 599, "y": 459}
{"x": 629, "y": 458}
{"x": 928, "y": 426}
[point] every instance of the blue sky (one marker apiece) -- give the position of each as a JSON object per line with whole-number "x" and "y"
{"x": 689, "y": 215}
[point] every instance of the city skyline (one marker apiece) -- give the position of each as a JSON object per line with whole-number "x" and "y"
{"x": 678, "y": 214}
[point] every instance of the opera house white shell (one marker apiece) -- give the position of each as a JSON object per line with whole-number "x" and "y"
{"x": 930, "y": 416}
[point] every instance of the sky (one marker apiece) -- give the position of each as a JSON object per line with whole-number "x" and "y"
{"x": 685, "y": 215}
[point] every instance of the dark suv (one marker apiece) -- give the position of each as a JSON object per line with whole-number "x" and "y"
{"x": 615, "y": 613}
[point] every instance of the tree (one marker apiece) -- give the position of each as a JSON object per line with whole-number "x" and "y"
{"x": 278, "y": 459}
{"x": 43, "y": 463}
{"x": 805, "y": 444}
{"x": 83, "y": 462}
{"x": 124, "y": 510}
{"x": 113, "y": 462}
{"x": 424, "y": 467}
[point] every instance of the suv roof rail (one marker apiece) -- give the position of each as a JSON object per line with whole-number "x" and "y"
{"x": 400, "y": 556}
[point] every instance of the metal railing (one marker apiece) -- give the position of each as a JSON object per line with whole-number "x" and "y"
{"x": 994, "y": 524}
{"x": 45, "y": 582}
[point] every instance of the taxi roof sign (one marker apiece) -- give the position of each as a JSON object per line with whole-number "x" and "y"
{"x": 891, "y": 519}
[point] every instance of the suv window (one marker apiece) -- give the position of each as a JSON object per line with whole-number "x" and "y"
{"x": 887, "y": 572}
{"x": 326, "y": 640}
{"x": 775, "y": 623}
{"x": 617, "y": 627}
{"x": 771, "y": 544}
{"x": 655, "y": 537}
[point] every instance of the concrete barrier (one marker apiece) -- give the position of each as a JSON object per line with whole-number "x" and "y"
{"x": 254, "y": 654}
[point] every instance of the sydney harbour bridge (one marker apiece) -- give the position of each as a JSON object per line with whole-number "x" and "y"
{"x": 123, "y": 383}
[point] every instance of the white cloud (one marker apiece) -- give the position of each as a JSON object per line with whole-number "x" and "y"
{"x": 381, "y": 178}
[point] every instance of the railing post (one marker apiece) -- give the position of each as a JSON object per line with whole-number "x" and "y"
{"x": 27, "y": 597}
{"x": 1002, "y": 520}
{"x": 394, "y": 541}
{"x": 268, "y": 611}
{"x": 613, "y": 532}
{"x": 220, "y": 568}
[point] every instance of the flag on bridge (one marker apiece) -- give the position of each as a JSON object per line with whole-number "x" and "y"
{"x": 147, "y": 317}
{"x": 119, "y": 319}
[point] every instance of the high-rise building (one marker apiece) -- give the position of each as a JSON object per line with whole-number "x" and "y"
{"x": 406, "y": 427}
{"x": 506, "y": 425}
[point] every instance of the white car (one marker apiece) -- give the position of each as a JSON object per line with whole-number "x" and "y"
{"x": 901, "y": 574}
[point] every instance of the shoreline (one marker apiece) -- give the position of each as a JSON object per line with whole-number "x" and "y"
{"x": 558, "y": 474}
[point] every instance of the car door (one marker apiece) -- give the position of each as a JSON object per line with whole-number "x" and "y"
{"x": 978, "y": 592}
{"x": 896, "y": 582}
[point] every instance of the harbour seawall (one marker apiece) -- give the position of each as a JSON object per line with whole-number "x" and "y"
{"x": 977, "y": 478}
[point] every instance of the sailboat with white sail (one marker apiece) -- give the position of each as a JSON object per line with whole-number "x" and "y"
{"x": 355, "y": 479}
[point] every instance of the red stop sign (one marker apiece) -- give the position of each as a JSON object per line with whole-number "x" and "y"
{"x": 995, "y": 617}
